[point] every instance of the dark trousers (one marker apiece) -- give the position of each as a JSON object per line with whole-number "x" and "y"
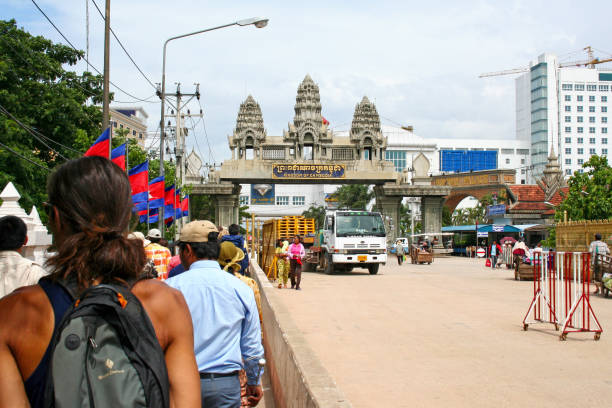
{"x": 221, "y": 392}
{"x": 400, "y": 259}
{"x": 493, "y": 261}
{"x": 295, "y": 273}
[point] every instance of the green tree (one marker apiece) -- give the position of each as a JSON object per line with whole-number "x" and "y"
{"x": 37, "y": 92}
{"x": 354, "y": 196}
{"x": 589, "y": 196}
{"x": 318, "y": 213}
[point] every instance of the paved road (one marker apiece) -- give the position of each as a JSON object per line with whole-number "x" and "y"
{"x": 450, "y": 335}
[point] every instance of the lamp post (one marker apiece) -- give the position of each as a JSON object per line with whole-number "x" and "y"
{"x": 258, "y": 22}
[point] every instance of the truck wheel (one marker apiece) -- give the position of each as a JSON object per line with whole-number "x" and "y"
{"x": 373, "y": 269}
{"x": 329, "y": 265}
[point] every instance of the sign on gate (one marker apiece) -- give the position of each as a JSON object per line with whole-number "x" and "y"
{"x": 480, "y": 252}
{"x": 308, "y": 171}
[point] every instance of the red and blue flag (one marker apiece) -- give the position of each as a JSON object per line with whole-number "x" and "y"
{"x": 118, "y": 156}
{"x": 169, "y": 203}
{"x": 101, "y": 146}
{"x": 156, "y": 192}
{"x": 139, "y": 181}
{"x": 185, "y": 206}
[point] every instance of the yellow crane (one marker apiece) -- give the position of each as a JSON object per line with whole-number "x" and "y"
{"x": 590, "y": 62}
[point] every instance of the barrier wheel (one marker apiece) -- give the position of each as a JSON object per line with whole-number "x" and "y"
{"x": 563, "y": 336}
{"x": 525, "y": 326}
{"x": 597, "y": 336}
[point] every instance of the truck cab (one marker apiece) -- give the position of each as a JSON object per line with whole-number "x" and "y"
{"x": 353, "y": 238}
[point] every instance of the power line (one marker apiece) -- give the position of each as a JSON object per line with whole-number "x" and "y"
{"x": 86, "y": 60}
{"x": 27, "y": 129}
{"x": 123, "y": 48}
{"x": 210, "y": 152}
{"x": 23, "y": 157}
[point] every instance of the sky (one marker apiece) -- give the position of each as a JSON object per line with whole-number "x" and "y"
{"x": 417, "y": 61}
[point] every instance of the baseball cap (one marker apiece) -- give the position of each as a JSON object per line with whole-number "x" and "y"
{"x": 154, "y": 233}
{"x": 139, "y": 235}
{"x": 197, "y": 231}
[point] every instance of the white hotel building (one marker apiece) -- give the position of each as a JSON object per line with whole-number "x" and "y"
{"x": 565, "y": 108}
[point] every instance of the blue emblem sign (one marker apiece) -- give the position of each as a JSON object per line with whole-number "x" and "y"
{"x": 496, "y": 209}
{"x": 308, "y": 171}
{"x": 262, "y": 194}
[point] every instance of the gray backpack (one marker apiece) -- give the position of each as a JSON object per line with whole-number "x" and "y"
{"x": 105, "y": 354}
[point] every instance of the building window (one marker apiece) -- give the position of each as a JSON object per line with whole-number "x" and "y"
{"x": 568, "y": 129}
{"x": 568, "y": 140}
{"x": 579, "y": 98}
{"x": 568, "y": 108}
{"x": 507, "y": 161}
{"x": 580, "y": 162}
{"x": 580, "y": 119}
{"x": 604, "y": 119}
{"x": 398, "y": 157}
{"x": 522, "y": 161}
{"x": 580, "y": 171}
{"x": 282, "y": 200}
{"x": 604, "y": 99}
{"x": 568, "y": 150}
{"x": 566, "y": 87}
{"x": 592, "y": 150}
{"x": 133, "y": 133}
{"x": 591, "y": 87}
{"x": 568, "y": 172}
{"x": 114, "y": 124}
{"x": 591, "y": 130}
{"x": 522, "y": 171}
{"x": 592, "y": 140}
{"x": 121, "y": 126}
{"x": 604, "y": 151}
{"x": 568, "y": 98}
{"x": 592, "y": 98}
{"x": 604, "y": 140}
{"x": 568, "y": 161}
{"x": 580, "y": 108}
{"x": 580, "y": 140}
{"x": 591, "y": 109}
{"x": 580, "y": 129}
{"x": 244, "y": 200}
{"x": 568, "y": 119}
{"x": 580, "y": 150}
{"x": 603, "y": 88}
{"x": 579, "y": 87}
{"x": 604, "y": 109}
{"x": 604, "y": 130}
{"x": 591, "y": 119}
{"x": 140, "y": 135}
{"x": 299, "y": 200}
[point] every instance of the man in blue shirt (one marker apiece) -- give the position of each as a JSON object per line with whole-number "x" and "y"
{"x": 226, "y": 328}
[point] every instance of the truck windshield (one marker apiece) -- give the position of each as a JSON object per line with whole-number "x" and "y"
{"x": 359, "y": 224}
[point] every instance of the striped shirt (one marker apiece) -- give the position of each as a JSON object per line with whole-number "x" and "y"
{"x": 160, "y": 255}
{"x": 17, "y": 271}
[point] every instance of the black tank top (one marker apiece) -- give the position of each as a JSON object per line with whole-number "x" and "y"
{"x": 35, "y": 384}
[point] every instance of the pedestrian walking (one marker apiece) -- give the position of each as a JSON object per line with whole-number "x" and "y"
{"x": 89, "y": 227}
{"x": 494, "y": 251}
{"x": 282, "y": 264}
{"x": 598, "y": 247}
{"x": 225, "y": 318}
{"x": 159, "y": 254}
{"x": 238, "y": 240}
{"x": 399, "y": 251}
{"x": 296, "y": 253}
{"x": 15, "y": 270}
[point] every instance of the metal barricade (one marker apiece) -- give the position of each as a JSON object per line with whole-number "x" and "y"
{"x": 561, "y": 295}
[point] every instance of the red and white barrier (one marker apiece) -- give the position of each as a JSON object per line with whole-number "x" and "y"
{"x": 561, "y": 295}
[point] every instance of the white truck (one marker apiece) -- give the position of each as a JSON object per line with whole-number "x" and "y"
{"x": 352, "y": 238}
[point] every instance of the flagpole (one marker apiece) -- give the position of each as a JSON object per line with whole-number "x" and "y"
{"x": 110, "y": 142}
{"x": 127, "y": 160}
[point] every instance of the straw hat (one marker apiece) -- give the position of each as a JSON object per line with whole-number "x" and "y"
{"x": 139, "y": 235}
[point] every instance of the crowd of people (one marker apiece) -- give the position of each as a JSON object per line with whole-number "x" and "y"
{"x": 203, "y": 312}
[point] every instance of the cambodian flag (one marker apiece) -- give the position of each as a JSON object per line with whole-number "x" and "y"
{"x": 142, "y": 216}
{"x": 139, "y": 180}
{"x": 185, "y": 206}
{"x": 169, "y": 202}
{"x": 156, "y": 192}
{"x": 140, "y": 206}
{"x": 118, "y": 156}
{"x": 153, "y": 215}
{"x": 177, "y": 204}
{"x": 101, "y": 146}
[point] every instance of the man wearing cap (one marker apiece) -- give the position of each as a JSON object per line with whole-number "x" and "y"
{"x": 225, "y": 319}
{"x": 160, "y": 255}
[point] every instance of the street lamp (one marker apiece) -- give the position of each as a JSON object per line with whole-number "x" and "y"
{"x": 258, "y": 22}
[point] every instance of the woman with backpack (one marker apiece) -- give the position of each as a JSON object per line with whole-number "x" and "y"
{"x": 89, "y": 208}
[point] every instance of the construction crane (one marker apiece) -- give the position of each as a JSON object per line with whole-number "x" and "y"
{"x": 590, "y": 62}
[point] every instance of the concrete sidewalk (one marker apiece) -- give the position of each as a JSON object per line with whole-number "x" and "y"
{"x": 446, "y": 334}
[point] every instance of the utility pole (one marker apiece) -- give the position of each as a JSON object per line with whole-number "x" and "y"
{"x": 105, "y": 108}
{"x": 180, "y": 136}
